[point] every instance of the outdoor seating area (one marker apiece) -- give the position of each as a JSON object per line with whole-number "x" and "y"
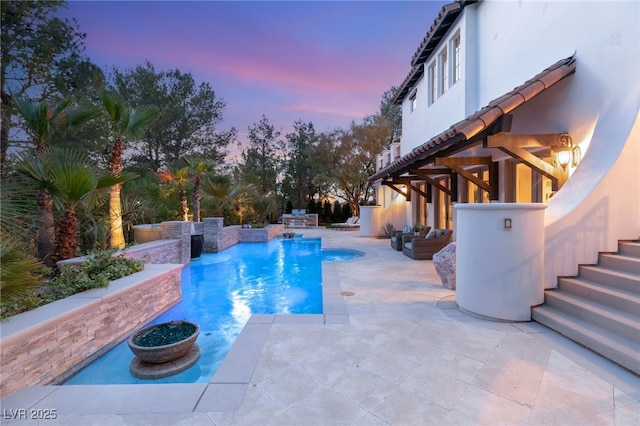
{"x": 423, "y": 248}
{"x": 405, "y": 235}
{"x": 351, "y": 224}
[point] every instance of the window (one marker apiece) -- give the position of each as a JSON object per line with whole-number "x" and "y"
{"x": 456, "y": 58}
{"x": 414, "y": 101}
{"x": 444, "y": 72}
{"x": 433, "y": 86}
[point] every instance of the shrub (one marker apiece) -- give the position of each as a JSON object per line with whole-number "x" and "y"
{"x": 387, "y": 231}
{"x": 21, "y": 274}
{"x": 95, "y": 272}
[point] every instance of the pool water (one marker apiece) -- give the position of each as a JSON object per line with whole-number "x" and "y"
{"x": 220, "y": 291}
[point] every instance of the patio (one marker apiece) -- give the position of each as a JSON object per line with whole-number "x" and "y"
{"x": 403, "y": 355}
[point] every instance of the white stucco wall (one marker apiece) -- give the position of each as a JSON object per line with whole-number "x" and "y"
{"x": 598, "y": 106}
{"x": 507, "y": 43}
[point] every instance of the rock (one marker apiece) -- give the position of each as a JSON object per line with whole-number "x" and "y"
{"x": 445, "y": 263}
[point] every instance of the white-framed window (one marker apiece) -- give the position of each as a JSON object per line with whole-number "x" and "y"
{"x": 433, "y": 83}
{"x": 444, "y": 71}
{"x": 456, "y": 47}
{"x": 413, "y": 100}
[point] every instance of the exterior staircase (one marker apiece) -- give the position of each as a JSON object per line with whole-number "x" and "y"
{"x": 600, "y": 308}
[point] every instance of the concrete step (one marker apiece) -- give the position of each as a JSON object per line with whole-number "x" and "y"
{"x": 629, "y": 248}
{"x": 613, "y": 347}
{"x": 611, "y": 277}
{"x": 624, "y": 263}
{"x": 623, "y": 300}
{"x": 615, "y": 321}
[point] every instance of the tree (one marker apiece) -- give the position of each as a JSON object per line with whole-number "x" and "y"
{"x": 187, "y": 119}
{"x": 355, "y": 153}
{"x": 72, "y": 180}
{"x": 35, "y": 47}
{"x": 392, "y": 114}
{"x": 219, "y": 188}
{"x": 125, "y": 122}
{"x": 179, "y": 178}
{"x": 298, "y": 181}
{"x": 260, "y": 160}
{"x": 40, "y": 122}
{"x": 198, "y": 170}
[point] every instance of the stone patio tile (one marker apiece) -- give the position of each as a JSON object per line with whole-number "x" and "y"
{"x": 364, "y": 387}
{"x": 238, "y": 365}
{"x": 322, "y": 407}
{"x": 222, "y": 397}
{"x": 515, "y": 369}
{"x": 406, "y": 408}
{"x": 627, "y": 410}
{"x": 123, "y": 399}
{"x": 452, "y": 364}
{"x": 388, "y": 366}
{"x": 556, "y": 405}
{"x": 436, "y": 386}
{"x": 26, "y": 397}
{"x": 325, "y": 365}
{"x": 289, "y": 386}
{"x": 181, "y": 419}
{"x": 257, "y": 409}
{"x": 479, "y": 407}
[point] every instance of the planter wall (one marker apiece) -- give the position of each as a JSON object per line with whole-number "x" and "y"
{"x": 218, "y": 237}
{"x": 49, "y": 344}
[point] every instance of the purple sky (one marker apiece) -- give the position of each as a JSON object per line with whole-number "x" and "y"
{"x": 325, "y": 62}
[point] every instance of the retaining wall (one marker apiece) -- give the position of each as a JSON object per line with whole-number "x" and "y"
{"x": 49, "y": 344}
{"x": 218, "y": 237}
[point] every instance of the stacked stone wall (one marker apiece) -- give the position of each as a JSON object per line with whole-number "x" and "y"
{"x": 49, "y": 344}
{"x": 159, "y": 251}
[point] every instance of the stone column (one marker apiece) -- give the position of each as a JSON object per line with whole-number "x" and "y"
{"x": 212, "y": 231}
{"x": 178, "y": 230}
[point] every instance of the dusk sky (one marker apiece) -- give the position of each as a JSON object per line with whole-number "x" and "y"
{"x": 325, "y": 62}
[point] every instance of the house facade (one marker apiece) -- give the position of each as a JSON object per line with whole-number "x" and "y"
{"x": 522, "y": 102}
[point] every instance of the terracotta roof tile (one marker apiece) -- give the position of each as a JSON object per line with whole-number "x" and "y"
{"x": 531, "y": 90}
{"x": 511, "y": 103}
{"x": 485, "y": 117}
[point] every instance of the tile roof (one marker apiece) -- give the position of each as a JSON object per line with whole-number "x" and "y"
{"x": 483, "y": 118}
{"x": 446, "y": 17}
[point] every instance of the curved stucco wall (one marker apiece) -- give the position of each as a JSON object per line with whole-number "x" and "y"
{"x": 598, "y": 106}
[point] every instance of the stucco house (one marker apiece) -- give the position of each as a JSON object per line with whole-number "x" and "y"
{"x": 521, "y": 133}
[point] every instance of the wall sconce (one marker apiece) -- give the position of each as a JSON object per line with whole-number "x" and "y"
{"x": 403, "y": 189}
{"x": 566, "y": 152}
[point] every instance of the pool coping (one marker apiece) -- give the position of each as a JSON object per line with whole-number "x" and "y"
{"x": 225, "y": 390}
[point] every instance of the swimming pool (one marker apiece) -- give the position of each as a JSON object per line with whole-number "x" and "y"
{"x": 220, "y": 291}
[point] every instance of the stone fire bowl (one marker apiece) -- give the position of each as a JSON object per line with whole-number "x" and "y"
{"x": 167, "y": 352}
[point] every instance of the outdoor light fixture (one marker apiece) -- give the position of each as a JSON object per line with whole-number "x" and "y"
{"x": 566, "y": 152}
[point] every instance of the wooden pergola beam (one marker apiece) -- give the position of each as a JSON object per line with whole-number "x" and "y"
{"x": 424, "y": 174}
{"x": 514, "y": 146}
{"x": 456, "y": 163}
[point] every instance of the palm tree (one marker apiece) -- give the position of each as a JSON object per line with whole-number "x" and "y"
{"x": 71, "y": 180}
{"x": 125, "y": 122}
{"x": 180, "y": 178}
{"x": 40, "y": 123}
{"x": 198, "y": 171}
{"x": 219, "y": 188}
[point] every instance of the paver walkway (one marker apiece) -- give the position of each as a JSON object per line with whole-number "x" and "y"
{"x": 407, "y": 356}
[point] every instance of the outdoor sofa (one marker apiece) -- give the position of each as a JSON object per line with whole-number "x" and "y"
{"x": 406, "y": 234}
{"x": 423, "y": 248}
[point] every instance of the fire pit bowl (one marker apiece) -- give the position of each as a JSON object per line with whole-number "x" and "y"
{"x": 164, "y": 342}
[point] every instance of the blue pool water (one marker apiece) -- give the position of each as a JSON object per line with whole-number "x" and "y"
{"x": 220, "y": 292}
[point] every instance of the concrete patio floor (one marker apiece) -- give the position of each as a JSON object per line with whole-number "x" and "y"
{"x": 395, "y": 352}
